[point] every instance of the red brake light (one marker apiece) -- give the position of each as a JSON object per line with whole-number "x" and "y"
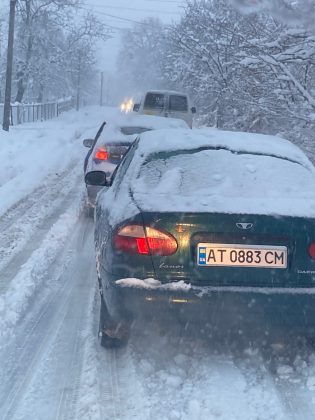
{"x": 311, "y": 250}
{"x": 136, "y": 239}
{"x": 101, "y": 154}
{"x": 142, "y": 246}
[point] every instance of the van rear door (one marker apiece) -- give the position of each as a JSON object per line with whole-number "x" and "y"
{"x": 154, "y": 104}
{"x": 178, "y": 107}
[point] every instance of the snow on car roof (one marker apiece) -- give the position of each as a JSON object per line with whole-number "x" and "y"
{"x": 112, "y": 131}
{"x": 218, "y": 172}
{"x": 262, "y": 175}
{"x": 172, "y": 140}
{"x": 151, "y": 121}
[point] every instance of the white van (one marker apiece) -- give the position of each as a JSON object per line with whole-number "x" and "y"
{"x": 166, "y": 103}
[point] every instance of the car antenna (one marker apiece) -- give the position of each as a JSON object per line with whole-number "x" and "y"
{"x": 100, "y": 130}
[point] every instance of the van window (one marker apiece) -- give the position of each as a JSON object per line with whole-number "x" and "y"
{"x": 178, "y": 103}
{"x": 154, "y": 101}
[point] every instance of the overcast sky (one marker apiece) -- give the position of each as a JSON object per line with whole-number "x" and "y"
{"x": 120, "y": 14}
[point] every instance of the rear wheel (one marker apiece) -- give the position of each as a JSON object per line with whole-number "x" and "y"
{"x": 111, "y": 334}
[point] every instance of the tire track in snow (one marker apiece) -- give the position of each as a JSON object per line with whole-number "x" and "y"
{"x": 194, "y": 378}
{"x": 50, "y": 187}
{"x": 29, "y": 352}
{"x": 121, "y": 394}
{"x": 278, "y": 362}
{"x": 290, "y": 371}
{"x": 34, "y": 274}
{"x": 86, "y": 273}
{"x": 32, "y": 224}
{"x": 55, "y": 332}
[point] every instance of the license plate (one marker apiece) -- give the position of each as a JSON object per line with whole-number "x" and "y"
{"x": 116, "y": 156}
{"x": 240, "y": 255}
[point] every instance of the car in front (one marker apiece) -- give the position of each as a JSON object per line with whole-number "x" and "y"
{"x": 111, "y": 142}
{"x": 191, "y": 216}
{"x": 166, "y": 103}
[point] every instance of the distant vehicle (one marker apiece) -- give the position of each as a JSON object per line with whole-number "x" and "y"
{"x": 166, "y": 104}
{"x": 111, "y": 142}
{"x": 127, "y": 105}
{"x": 192, "y": 215}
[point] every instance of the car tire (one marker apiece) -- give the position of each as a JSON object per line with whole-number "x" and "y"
{"x": 111, "y": 334}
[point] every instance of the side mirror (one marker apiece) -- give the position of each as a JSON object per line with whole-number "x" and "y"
{"x": 136, "y": 107}
{"x": 97, "y": 178}
{"x": 88, "y": 143}
{"x": 193, "y": 110}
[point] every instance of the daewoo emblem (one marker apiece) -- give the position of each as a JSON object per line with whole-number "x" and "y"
{"x": 180, "y": 228}
{"x": 244, "y": 226}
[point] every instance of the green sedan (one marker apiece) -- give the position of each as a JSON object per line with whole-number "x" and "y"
{"x": 191, "y": 217}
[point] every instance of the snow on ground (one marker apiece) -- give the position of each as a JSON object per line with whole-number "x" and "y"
{"x": 51, "y": 364}
{"x": 33, "y": 153}
{"x": 31, "y": 274}
{"x": 41, "y": 183}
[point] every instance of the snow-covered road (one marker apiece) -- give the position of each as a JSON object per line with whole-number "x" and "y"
{"x": 51, "y": 365}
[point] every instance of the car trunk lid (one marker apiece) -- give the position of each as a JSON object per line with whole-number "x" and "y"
{"x": 283, "y": 241}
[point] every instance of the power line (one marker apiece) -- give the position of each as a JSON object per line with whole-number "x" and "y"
{"x": 102, "y": 6}
{"x": 117, "y": 17}
{"x": 166, "y": 1}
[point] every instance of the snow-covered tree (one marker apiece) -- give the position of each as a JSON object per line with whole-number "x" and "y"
{"x": 245, "y": 71}
{"x": 140, "y": 60}
{"x": 49, "y": 34}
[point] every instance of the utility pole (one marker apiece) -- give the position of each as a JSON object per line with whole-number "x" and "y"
{"x": 8, "y": 78}
{"x": 102, "y": 82}
{"x": 79, "y": 83}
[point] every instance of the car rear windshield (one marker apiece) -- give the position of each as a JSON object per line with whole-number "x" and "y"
{"x": 208, "y": 172}
{"x": 128, "y": 131}
{"x": 154, "y": 101}
{"x": 178, "y": 103}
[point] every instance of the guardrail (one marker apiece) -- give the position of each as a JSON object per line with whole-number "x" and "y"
{"x": 23, "y": 113}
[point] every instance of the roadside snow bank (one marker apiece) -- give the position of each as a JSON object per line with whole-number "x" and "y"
{"x": 31, "y": 152}
{"x": 33, "y": 273}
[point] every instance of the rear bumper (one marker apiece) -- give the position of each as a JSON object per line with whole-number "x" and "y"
{"x": 282, "y": 305}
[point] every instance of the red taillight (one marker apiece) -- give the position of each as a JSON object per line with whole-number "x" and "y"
{"x": 311, "y": 250}
{"x": 135, "y": 239}
{"x": 101, "y": 154}
{"x": 142, "y": 246}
